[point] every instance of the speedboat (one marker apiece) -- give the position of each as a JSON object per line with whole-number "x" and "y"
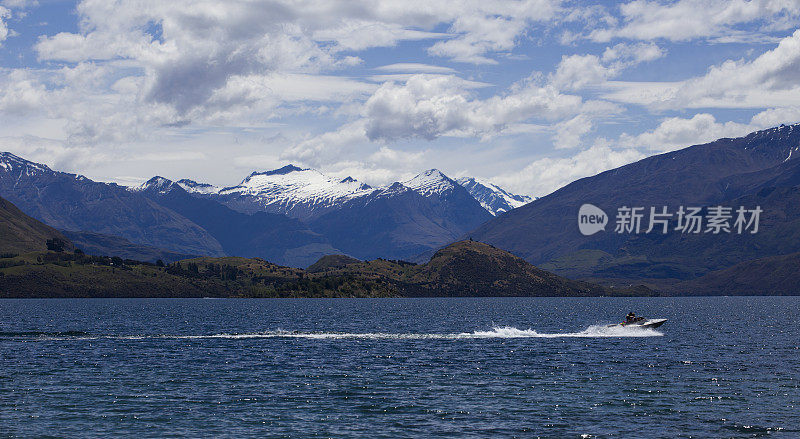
{"x": 641, "y": 323}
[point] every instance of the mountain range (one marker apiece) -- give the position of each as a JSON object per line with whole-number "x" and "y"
{"x": 295, "y": 217}
{"x": 290, "y": 216}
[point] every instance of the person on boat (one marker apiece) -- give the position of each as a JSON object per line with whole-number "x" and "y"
{"x": 630, "y": 318}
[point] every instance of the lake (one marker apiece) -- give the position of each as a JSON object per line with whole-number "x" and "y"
{"x": 466, "y": 367}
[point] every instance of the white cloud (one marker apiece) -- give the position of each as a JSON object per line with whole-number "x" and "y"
{"x": 479, "y": 37}
{"x": 545, "y": 175}
{"x": 432, "y": 106}
{"x": 199, "y": 47}
{"x": 772, "y": 79}
{"x": 423, "y": 107}
{"x": 383, "y": 166}
{"x": 5, "y": 14}
{"x": 576, "y": 72}
{"x": 167, "y": 64}
{"x": 327, "y": 147}
{"x": 20, "y": 93}
{"x": 360, "y": 35}
{"x": 676, "y": 133}
{"x": 405, "y": 77}
{"x": 742, "y": 81}
{"x": 485, "y": 28}
{"x": 53, "y": 153}
{"x": 20, "y": 4}
{"x": 570, "y": 133}
{"x": 548, "y": 174}
{"x": 685, "y": 20}
{"x": 271, "y": 90}
{"x": 624, "y": 54}
{"x": 776, "y": 116}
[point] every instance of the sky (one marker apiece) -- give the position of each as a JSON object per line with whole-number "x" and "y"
{"x": 528, "y": 94}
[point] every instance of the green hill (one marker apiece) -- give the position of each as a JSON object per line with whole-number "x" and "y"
{"x": 475, "y": 269}
{"x": 331, "y": 262}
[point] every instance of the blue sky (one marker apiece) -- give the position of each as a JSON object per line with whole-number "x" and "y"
{"x": 530, "y": 94}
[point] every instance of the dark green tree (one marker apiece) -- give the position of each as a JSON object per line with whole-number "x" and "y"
{"x": 56, "y": 244}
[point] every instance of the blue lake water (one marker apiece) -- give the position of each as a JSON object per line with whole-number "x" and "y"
{"x": 487, "y": 367}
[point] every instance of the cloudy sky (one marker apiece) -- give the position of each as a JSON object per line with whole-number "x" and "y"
{"x": 531, "y": 94}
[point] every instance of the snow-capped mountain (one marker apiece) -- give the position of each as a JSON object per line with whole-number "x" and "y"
{"x": 13, "y": 164}
{"x": 307, "y": 193}
{"x": 392, "y": 222}
{"x": 156, "y": 184}
{"x": 398, "y": 220}
{"x": 430, "y": 183}
{"x": 458, "y": 211}
{"x": 294, "y": 191}
{"x": 492, "y": 197}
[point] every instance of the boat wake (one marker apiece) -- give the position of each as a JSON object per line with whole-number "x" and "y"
{"x": 504, "y": 332}
{"x": 593, "y": 331}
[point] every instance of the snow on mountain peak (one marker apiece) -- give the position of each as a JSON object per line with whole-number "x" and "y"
{"x": 430, "y": 182}
{"x": 303, "y": 192}
{"x": 492, "y": 197}
{"x": 10, "y": 162}
{"x": 157, "y": 183}
{"x": 288, "y": 169}
{"x": 296, "y": 191}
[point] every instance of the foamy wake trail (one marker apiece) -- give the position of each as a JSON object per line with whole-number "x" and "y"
{"x": 594, "y": 331}
{"x": 590, "y": 332}
{"x": 496, "y": 332}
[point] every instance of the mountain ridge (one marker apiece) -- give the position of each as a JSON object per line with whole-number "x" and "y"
{"x": 734, "y": 172}
{"x": 311, "y": 193}
{"x": 73, "y": 202}
{"x": 493, "y": 198}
